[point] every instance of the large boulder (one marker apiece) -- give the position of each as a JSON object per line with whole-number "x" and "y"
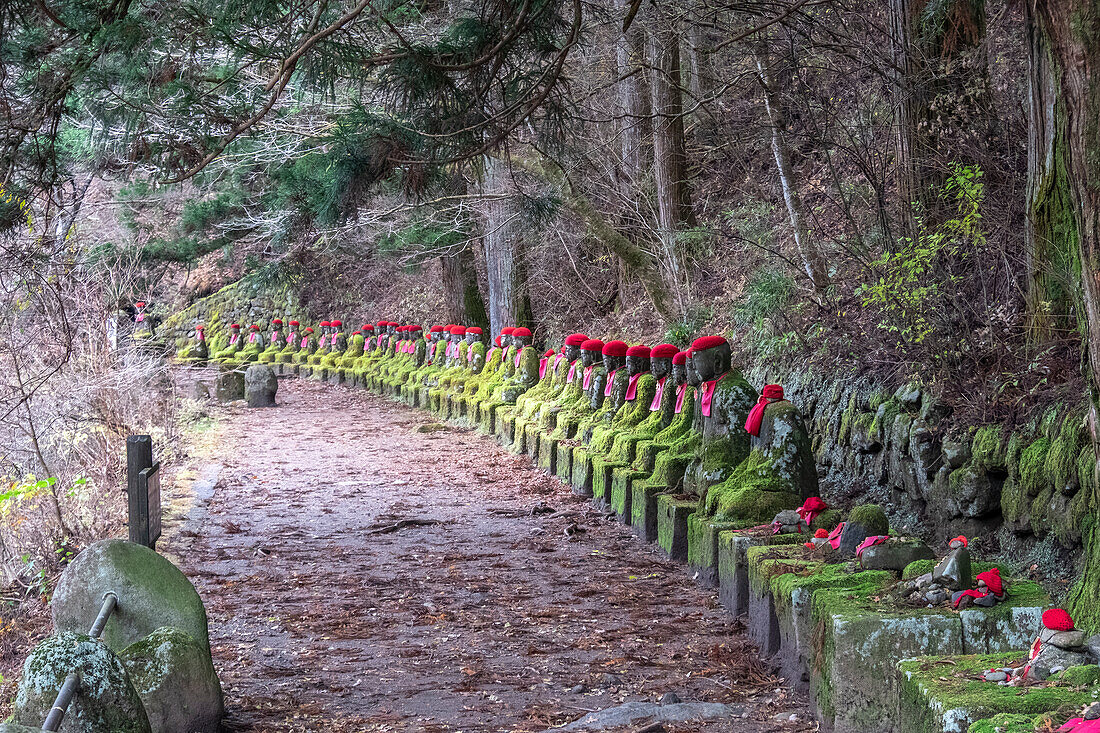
{"x": 106, "y": 701}
{"x": 176, "y": 681}
{"x": 229, "y": 386}
{"x": 151, "y": 591}
{"x": 260, "y": 386}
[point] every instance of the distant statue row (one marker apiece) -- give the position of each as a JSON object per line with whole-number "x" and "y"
{"x": 624, "y": 424}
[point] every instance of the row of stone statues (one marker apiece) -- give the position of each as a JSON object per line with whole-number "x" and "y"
{"x": 622, "y": 423}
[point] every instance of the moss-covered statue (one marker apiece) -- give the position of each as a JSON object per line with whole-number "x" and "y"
{"x": 575, "y": 417}
{"x": 455, "y": 366}
{"x": 626, "y": 404}
{"x": 491, "y": 378}
{"x": 292, "y": 345}
{"x": 480, "y": 386}
{"x": 659, "y": 465}
{"x": 313, "y": 359}
{"x": 524, "y": 376}
{"x": 538, "y": 413}
{"x": 236, "y": 343}
{"x": 475, "y": 362}
{"x": 445, "y": 357}
{"x": 403, "y": 363}
{"x": 276, "y": 342}
{"x": 337, "y": 348}
{"x": 144, "y": 328}
{"x": 509, "y": 415}
{"x": 779, "y": 472}
{"x": 196, "y": 351}
{"x": 367, "y": 370}
{"x": 254, "y": 344}
{"x": 413, "y": 390}
{"x": 655, "y": 417}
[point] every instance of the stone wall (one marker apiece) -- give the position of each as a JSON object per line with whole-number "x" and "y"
{"x": 1025, "y": 494}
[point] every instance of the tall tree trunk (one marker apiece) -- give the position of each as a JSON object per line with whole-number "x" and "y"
{"x": 509, "y": 302}
{"x": 669, "y": 151}
{"x": 941, "y": 90}
{"x": 1072, "y": 29}
{"x": 1050, "y": 226}
{"x": 635, "y": 130}
{"x": 463, "y": 301}
{"x": 812, "y": 262}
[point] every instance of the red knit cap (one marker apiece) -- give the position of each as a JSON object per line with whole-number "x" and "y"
{"x": 992, "y": 580}
{"x": 521, "y": 332}
{"x": 140, "y": 304}
{"x": 309, "y": 330}
{"x": 592, "y": 345}
{"x": 476, "y": 330}
{"x": 707, "y": 342}
{"x": 507, "y": 331}
{"x": 277, "y": 321}
{"x": 615, "y": 348}
{"x": 415, "y": 327}
{"x": 294, "y": 323}
{"x": 402, "y": 329}
{"x": 497, "y": 341}
{"x": 458, "y": 330}
{"x": 356, "y": 333}
{"x": 200, "y": 327}
{"x": 663, "y": 351}
{"x": 821, "y": 533}
{"x": 1056, "y": 619}
{"x": 382, "y": 324}
{"x": 641, "y": 351}
{"x": 680, "y": 359}
{"x": 326, "y": 323}
{"x": 575, "y": 339}
{"x": 436, "y": 329}
{"x": 254, "y": 327}
{"x": 234, "y": 325}
{"x": 337, "y": 323}
{"x": 549, "y": 353}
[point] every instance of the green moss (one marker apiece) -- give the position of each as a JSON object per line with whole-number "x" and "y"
{"x": 871, "y": 517}
{"x": 927, "y": 684}
{"x": 987, "y": 447}
{"x": 754, "y": 491}
{"x": 1086, "y": 674}
{"x": 1061, "y": 461}
{"x": 917, "y": 568}
{"x": 1083, "y": 601}
{"x": 1032, "y": 467}
{"x": 884, "y": 418}
{"x": 845, "y": 435}
{"x": 1009, "y": 723}
{"x": 828, "y": 519}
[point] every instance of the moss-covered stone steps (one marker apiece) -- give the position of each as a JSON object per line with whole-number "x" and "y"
{"x": 947, "y": 693}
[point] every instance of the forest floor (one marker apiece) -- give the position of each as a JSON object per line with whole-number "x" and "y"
{"x": 505, "y": 604}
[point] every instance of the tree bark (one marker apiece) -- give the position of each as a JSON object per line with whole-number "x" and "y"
{"x": 463, "y": 300}
{"x": 813, "y": 265}
{"x": 509, "y": 301}
{"x": 1050, "y": 227}
{"x": 635, "y": 130}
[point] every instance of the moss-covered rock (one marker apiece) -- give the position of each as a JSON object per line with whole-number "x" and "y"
{"x": 151, "y": 591}
{"x": 106, "y": 701}
{"x": 176, "y": 681}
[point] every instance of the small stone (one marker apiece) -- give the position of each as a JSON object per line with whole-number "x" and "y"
{"x": 996, "y": 676}
{"x": 988, "y": 601}
{"x": 1092, "y": 712}
{"x": 609, "y": 680}
{"x": 670, "y": 698}
{"x": 578, "y": 690}
{"x": 923, "y": 581}
{"x": 1067, "y": 639}
{"x": 936, "y": 597}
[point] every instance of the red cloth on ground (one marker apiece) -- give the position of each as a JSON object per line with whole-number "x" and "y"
{"x": 811, "y": 508}
{"x": 656, "y": 403}
{"x": 771, "y": 393}
{"x": 708, "y": 394}
{"x": 971, "y": 593}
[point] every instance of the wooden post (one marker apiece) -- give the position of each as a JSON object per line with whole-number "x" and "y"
{"x": 139, "y": 456}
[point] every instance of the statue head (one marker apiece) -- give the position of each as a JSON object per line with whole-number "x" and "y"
{"x": 572, "y": 346}
{"x": 614, "y": 354}
{"x": 391, "y": 327}
{"x": 711, "y": 356}
{"x": 337, "y": 326}
{"x": 325, "y": 325}
{"x": 277, "y": 324}
{"x": 660, "y": 360}
{"x": 235, "y": 327}
{"x": 522, "y": 336}
{"x": 693, "y": 377}
{"x": 637, "y": 359}
{"x": 679, "y": 368}
{"x": 436, "y": 333}
{"x": 200, "y": 332}
{"x": 506, "y": 336}
{"x": 591, "y": 352}
{"x": 458, "y": 334}
{"x": 473, "y": 335}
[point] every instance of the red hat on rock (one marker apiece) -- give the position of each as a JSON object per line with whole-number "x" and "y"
{"x": 640, "y": 351}
{"x": 326, "y": 323}
{"x": 309, "y": 330}
{"x": 458, "y": 330}
{"x": 367, "y": 327}
{"x": 337, "y": 323}
{"x": 234, "y": 325}
{"x": 415, "y": 327}
{"x": 521, "y": 332}
{"x": 277, "y": 321}
{"x": 575, "y": 339}
{"x": 615, "y": 348}
{"x": 476, "y": 330}
{"x": 592, "y": 345}
{"x": 663, "y": 351}
{"x": 681, "y": 358}
{"x": 992, "y": 580}
{"x": 295, "y": 323}
{"x": 254, "y": 327}
{"x": 507, "y": 331}
{"x": 1056, "y": 619}
{"x": 200, "y": 327}
{"x": 707, "y": 342}
{"x": 821, "y": 533}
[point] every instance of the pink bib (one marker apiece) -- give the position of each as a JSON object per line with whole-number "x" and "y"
{"x": 542, "y": 367}
{"x": 656, "y": 403}
{"x": 610, "y": 381}
{"x": 680, "y": 392}
{"x": 708, "y": 394}
{"x": 632, "y": 386}
{"x": 571, "y": 374}
{"x": 587, "y": 376}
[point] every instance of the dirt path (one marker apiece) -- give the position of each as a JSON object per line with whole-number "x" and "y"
{"x": 492, "y": 619}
